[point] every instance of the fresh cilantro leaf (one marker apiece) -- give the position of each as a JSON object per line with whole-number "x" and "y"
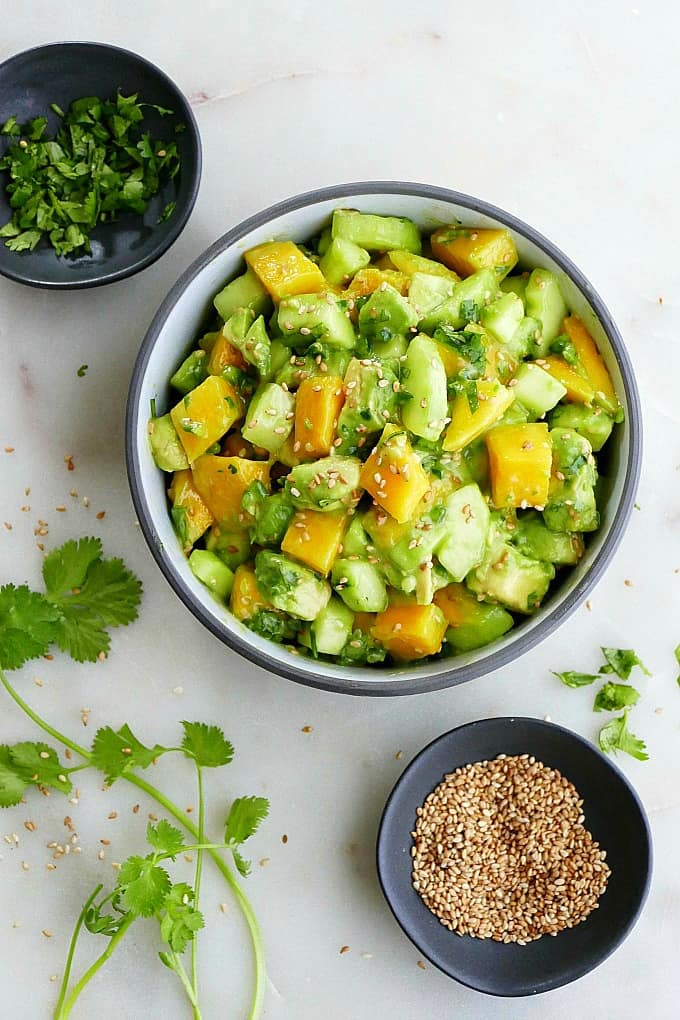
{"x": 243, "y": 866}
{"x": 572, "y": 679}
{"x": 621, "y": 661}
{"x": 244, "y": 818}
{"x": 179, "y": 921}
{"x": 270, "y": 624}
{"x": 28, "y": 625}
{"x": 616, "y": 736}
{"x": 12, "y": 786}
{"x": 115, "y": 752}
{"x": 144, "y": 885}
{"x": 66, "y": 568}
{"x": 38, "y": 763}
{"x": 361, "y": 648}
{"x": 563, "y": 345}
{"x": 469, "y": 310}
{"x": 98, "y": 923}
{"x": 25, "y": 241}
{"x": 82, "y": 371}
{"x": 206, "y": 744}
{"x": 165, "y": 838}
{"x": 612, "y": 697}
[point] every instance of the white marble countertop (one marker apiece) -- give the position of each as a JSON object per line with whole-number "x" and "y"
{"x": 564, "y": 115}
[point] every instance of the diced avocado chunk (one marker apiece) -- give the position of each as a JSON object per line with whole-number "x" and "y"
{"x": 297, "y": 368}
{"x": 516, "y": 414}
{"x": 515, "y": 285}
{"x": 502, "y": 317}
{"x": 356, "y": 539}
{"x": 385, "y": 314}
{"x": 524, "y": 339}
{"x": 289, "y": 586}
{"x": 270, "y": 417}
{"x": 505, "y": 575}
{"x": 245, "y": 291}
{"x": 212, "y": 572}
{"x": 592, "y": 423}
{"x": 332, "y": 628}
{"x": 268, "y": 515}
{"x": 465, "y": 304}
{"x": 466, "y": 526}
{"x": 544, "y": 301}
{"x": 342, "y": 259}
{"x": 537, "y": 390}
{"x": 425, "y": 379}
{"x": 232, "y": 547}
{"x": 405, "y": 546}
{"x": 535, "y": 539}
{"x": 571, "y": 502}
{"x": 279, "y": 355}
{"x": 191, "y": 373}
{"x": 376, "y": 233}
{"x": 166, "y": 448}
{"x": 249, "y": 335}
{"x": 360, "y": 585}
{"x": 307, "y": 318}
{"x": 208, "y": 340}
{"x": 426, "y": 292}
{"x": 369, "y": 404}
{"x": 329, "y": 483}
{"x": 487, "y": 625}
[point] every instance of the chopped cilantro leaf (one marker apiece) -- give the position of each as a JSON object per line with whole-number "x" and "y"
{"x": 573, "y": 679}
{"x": 12, "y": 786}
{"x": 179, "y": 921}
{"x": 244, "y": 818}
{"x": 616, "y": 736}
{"x": 82, "y": 371}
{"x": 622, "y": 661}
{"x": 611, "y": 697}
{"x": 144, "y": 885}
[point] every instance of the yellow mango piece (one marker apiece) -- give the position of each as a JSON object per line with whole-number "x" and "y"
{"x": 221, "y": 482}
{"x": 205, "y": 414}
{"x": 192, "y": 517}
{"x": 369, "y": 279}
{"x": 408, "y": 263}
{"x": 409, "y": 631}
{"x": 466, "y": 425}
{"x": 317, "y": 406}
{"x": 364, "y": 621}
{"x": 469, "y": 249}
{"x": 224, "y": 353}
{"x": 579, "y": 389}
{"x": 235, "y": 445}
{"x": 315, "y": 538}
{"x": 285, "y": 270}
{"x": 592, "y": 363}
{"x": 457, "y": 603}
{"x": 520, "y": 461}
{"x": 394, "y": 476}
{"x": 453, "y": 362}
{"x": 246, "y": 597}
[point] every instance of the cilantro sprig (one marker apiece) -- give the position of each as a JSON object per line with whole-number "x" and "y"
{"x": 98, "y": 164}
{"x": 85, "y": 597}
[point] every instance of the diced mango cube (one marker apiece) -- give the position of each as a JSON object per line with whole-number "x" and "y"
{"x": 592, "y": 363}
{"x": 394, "y": 476}
{"x": 364, "y": 621}
{"x": 285, "y": 270}
{"x": 467, "y": 425}
{"x": 368, "y": 280}
{"x": 205, "y": 414}
{"x": 191, "y": 517}
{"x": 221, "y": 482}
{"x": 520, "y": 461}
{"x": 225, "y": 353}
{"x": 246, "y": 597}
{"x": 466, "y": 250}
{"x": 409, "y": 631}
{"x": 579, "y": 389}
{"x": 317, "y": 406}
{"x": 315, "y": 538}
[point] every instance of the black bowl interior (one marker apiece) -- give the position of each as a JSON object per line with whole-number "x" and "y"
{"x": 59, "y": 73}
{"x": 613, "y": 814}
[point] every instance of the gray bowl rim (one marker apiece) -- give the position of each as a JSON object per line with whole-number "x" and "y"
{"x": 451, "y": 675}
{"x": 583, "y": 745}
{"x": 195, "y": 171}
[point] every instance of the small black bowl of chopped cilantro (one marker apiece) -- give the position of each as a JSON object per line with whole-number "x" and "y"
{"x": 100, "y": 164}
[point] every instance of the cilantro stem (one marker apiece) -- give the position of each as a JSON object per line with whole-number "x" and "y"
{"x": 179, "y": 970}
{"x": 197, "y": 880}
{"x": 244, "y": 903}
{"x": 72, "y": 948}
{"x": 65, "y": 1010}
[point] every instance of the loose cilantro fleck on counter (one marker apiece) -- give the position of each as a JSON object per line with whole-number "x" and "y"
{"x": 621, "y": 661}
{"x": 612, "y": 697}
{"x": 616, "y": 736}
{"x": 573, "y": 679}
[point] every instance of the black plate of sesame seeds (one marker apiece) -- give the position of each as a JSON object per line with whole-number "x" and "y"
{"x": 545, "y": 763}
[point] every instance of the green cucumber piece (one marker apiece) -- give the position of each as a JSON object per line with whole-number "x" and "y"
{"x": 537, "y": 390}
{"x": 270, "y": 417}
{"x": 244, "y": 291}
{"x": 385, "y": 314}
{"x": 342, "y": 259}
{"x": 166, "y": 447}
{"x": 534, "y": 539}
{"x": 502, "y": 318}
{"x": 465, "y": 304}
{"x": 466, "y": 527}
{"x": 289, "y": 586}
{"x": 489, "y": 623}
{"x": 425, "y": 379}
{"x": 360, "y": 585}
{"x": 307, "y": 318}
{"x": 333, "y": 627}
{"x": 191, "y": 373}
{"x": 544, "y": 302}
{"x": 376, "y": 233}
{"x": 232, "y": 547}
{"x": 212, "y": 572}
{"x": 592, "y": 423}
{"x": 426, "y": 292}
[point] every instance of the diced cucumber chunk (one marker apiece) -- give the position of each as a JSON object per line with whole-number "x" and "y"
{"x": 426, "y": 292}
{"x": 425, "y": 379}
{"x": 505, "y": 575}
{"x": 325, "y": 238}
{"x": 592, "y": 423}
{"x": 166, "y": 447}
{"x": 268, "y": 515}
{"x": 212, "y": 572}
{"x": 232, "y": 547}
{"x": 465, "y": 304}
{"x": 307, "y": 318}
{"x": 502, "y": 317}
{"x": 333, "y": 627}
{"x": 537, "y": 390}
{"x": 571, "y": 503}
{"x": 356, "y": 539}
{"x": 330, "y": 483}
{"x": 544, "y": 301}
{"x": 515, "y": 285}
{"x": 391, "y": 349}
{"x": 191, "y": 373}
{"x": 534, "y": 539}
{"x": 385, "y": 314}
{"x": 270, "y": 417}
{"x": 289, "y": 586}
{"x": 369, "y": 404}
{"x": 360, "y": 585}
{"x": 376, "y": 233}
{"x": 245, "y": 291}
{"x": 342, "y": 259}
{"x": 249, "y": 335}
{"x": 524, "y": 339}
{"x": 279, "y": 355}
{"x": 466, "y": 527}
{"x": 490, "y": 623}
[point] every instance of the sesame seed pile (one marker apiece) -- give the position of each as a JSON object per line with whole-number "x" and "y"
{"x": 500, "y": 852}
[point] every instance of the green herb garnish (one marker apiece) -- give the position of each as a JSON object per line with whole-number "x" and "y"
{"x": 616, "y": 736}
{"x": 621, "y": 661}
{"x": 573, "y": 679}
{"x": 613, "y": 697}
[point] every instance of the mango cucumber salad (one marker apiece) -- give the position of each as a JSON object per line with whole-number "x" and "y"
{"x": 384, "y": 450}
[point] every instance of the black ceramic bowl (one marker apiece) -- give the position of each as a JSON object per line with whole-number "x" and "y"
{"x": 613, "y": 814}
{"x": 59, "y": 73}
{"x": 184, "y": 315}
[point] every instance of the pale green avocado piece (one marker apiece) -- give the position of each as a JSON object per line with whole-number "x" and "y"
{"x": 166, "y": 447}
{"x": 329, "y": 483}
{"x": 289, "y": 586}
{"x": 592, "y": 423}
